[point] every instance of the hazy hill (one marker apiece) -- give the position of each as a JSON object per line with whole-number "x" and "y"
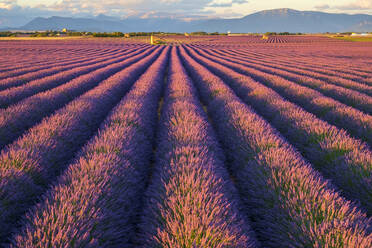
{"x": 80, "y": 24}
{"x": 277, "y": 20}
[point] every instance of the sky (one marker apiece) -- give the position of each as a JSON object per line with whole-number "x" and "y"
{"x": 18, "y": 11}
{"x": 220, "y": 8}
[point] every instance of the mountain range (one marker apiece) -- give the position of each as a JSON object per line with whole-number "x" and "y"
{"x": 277, "y": 20}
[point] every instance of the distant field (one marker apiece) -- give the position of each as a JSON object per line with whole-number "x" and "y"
{"x": 176, "y": 39}
{"x": 43, "y": 38}
{"x": 203, "y": 141}
{"x": 355, "y": 38}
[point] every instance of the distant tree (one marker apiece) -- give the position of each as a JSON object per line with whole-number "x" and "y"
{"x": 74, "y": 33}
{"x": 6, "y": 34}
{"x": 39, "y": 34}
{"x": 199, "y": 33}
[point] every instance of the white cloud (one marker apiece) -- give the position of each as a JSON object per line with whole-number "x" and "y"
{"x": 351, "y": 7}
{"x": 224, "y": 4}
{"x": 18, "y": 12}
{"x": 13, "y": 14}
{"x": 129, "y": 6}
{"x": 322, "y": 7}
{"x": 240, "y": 1}
{"x": 8, "y": 4}
{"x": 357, "y": 5}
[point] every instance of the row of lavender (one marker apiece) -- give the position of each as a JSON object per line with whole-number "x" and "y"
{"x": 21, "y": 77}
{"x": 323, "y": 58}
{"x": 347, "y": 161}
{"x": 344, "y": 68}
{"x": 358, "y": 123}
{"x": 33, "y": 60}
{"x": 32, "y": 162}
{"x": 349, "y": 92}
{"x": 290, "y": 204}
{"x": 59, "y": 61}
{"x": 21, "y": 55}
{"x": 94, "y": 203}
{"x": 310, "y": 65}
{"x": 17, "y": 118}
{"x": 190, "y": 201}
{"x": 31, "y": 87}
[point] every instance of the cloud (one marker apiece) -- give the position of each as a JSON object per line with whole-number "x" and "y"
{"x": 240, "y": 1}
{"x": 322, "y": 7}
{"x": 12, "y": 14}
{"x": 355, "y": 5}
{"x": 116, "y": 7}
{"x": 227, "y": 4}
{"x": 8, "y": 4}
{"x": 129, "y": 6}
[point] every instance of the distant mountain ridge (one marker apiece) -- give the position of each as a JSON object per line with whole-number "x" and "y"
{"x": 277, "y": 20}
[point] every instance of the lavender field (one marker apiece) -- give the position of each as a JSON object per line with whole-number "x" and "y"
{"x": 208, "y": 141}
